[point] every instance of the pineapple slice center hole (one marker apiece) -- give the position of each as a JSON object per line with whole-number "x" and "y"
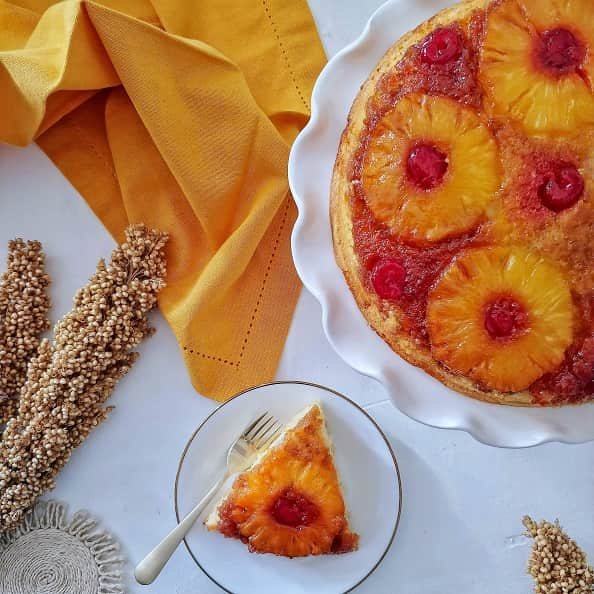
{"x": 426, "y": 166}
{"x": 505, "y": 317}
{"x": 293, "y": 508}
{"x": 559, "y": 51}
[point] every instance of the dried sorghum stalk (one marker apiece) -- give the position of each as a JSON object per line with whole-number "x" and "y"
{"x": 24, "y": 305}
{"x": 69, "y": 381}
{"x": 557, "y": 564}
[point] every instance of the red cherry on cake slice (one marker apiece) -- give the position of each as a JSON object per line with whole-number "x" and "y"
{"x": 442, "y": 46}
{"x": 562, "y": 188}
{"x": 294, "y": 509}
{"x": 388, "y": 278}
{"x": 425, "y": 166}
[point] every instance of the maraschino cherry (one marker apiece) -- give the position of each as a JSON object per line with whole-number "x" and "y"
{"x": 388, "y": 278}
{"x": 294, "y": 509}
{"x": 425, "y": 166}
{"x": 442, "y": 46}
{"x": 559, "y": 51}
{"x": 562, "y": 187}
{"x": 504, "y": 318}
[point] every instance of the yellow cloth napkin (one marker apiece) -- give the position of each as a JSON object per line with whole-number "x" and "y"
{"x": 180, "y": 115}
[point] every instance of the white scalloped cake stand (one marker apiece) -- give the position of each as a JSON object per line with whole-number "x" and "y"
{"x": 414, "y": 392}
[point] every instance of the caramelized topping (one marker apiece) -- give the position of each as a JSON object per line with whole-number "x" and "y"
{"x": 425, "y": 166}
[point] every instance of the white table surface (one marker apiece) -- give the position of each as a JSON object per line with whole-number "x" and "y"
{"x": 463, "y": 501}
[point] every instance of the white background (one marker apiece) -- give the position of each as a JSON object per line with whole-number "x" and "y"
{"x": 463, "y": 501}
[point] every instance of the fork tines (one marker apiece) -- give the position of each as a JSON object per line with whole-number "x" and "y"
{"x": 263, "y": 431}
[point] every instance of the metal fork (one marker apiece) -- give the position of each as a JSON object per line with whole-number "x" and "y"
{"x": 242, "y": 452}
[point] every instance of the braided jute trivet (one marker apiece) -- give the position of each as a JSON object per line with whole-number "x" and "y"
{"x": 50, "y": 553}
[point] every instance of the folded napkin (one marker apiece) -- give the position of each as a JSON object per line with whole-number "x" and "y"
{"x": 179, "y": 115}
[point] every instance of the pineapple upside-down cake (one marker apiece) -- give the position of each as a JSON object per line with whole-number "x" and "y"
{"x": 462, "y": 199}
{"x": 289, "y": 502}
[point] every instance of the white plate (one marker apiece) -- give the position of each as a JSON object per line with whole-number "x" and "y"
{"x": 310, "y": 169}
{"x": 369, "y": 475}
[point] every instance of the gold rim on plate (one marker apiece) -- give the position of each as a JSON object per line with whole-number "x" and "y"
{"x": 318, "y": 386}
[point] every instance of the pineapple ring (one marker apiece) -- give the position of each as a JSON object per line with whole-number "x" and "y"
{"x": 257, "y": 525}
{"x": 516, "y": 87}
{"x": 455, "y": 205}
{"x": 456, "y": 317}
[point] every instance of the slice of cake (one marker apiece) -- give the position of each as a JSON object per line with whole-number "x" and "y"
{"x": 289, "y": 502}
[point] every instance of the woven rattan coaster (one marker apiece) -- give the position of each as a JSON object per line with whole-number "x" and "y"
{"x": 50, "y": 553}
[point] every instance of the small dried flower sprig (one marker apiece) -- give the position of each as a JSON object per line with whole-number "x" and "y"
{"x": 69, "y": 381}
{"x": 24, "y": 305}
{"x": 557, "y": 564}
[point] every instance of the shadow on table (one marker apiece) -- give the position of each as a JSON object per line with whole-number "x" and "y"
{"x": 432, "y": 544}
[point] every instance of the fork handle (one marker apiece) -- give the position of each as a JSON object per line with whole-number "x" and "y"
{"x": 150, "y": 567}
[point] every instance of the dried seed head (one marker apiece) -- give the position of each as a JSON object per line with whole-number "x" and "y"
{"x": 556, "y": 563}
{"x": 69, "y": 381}
{"x": 24, "y": 305}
